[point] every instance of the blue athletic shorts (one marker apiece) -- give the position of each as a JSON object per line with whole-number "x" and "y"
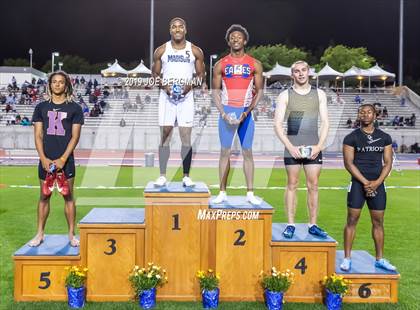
{"x": 245, "y": 129}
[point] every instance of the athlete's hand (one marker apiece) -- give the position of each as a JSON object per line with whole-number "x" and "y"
{"x": 187, "y": 89}
{"x": 315, "y": 151}
{"x": 243, "y": 117}
{"x": 59, "y": 163}
{"x": 373, "y": 186}
{"x": 294, "y": 151}
{"x": 46, "y": 162}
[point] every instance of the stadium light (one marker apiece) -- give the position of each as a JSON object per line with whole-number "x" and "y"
{"x": 214, "y": 56}
{"x": 60, "y": 64}
{"x": 53, "y": 54}
{"x": 30, "y": 56}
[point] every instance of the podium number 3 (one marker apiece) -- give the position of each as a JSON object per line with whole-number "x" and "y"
{"x": 44, "y": 278}
{"x": 112, "y": 247}
{"x": 239, "y": 241}
{"x": 301, "y": 264}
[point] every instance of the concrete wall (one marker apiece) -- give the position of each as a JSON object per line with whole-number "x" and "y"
{"x": 147, "y": 139}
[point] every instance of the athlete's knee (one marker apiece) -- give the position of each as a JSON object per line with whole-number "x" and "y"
{"x": 247, "y": 153}
{"x": 312, "y": 185}
{"x": 43, "y": 198}
{"x": 352, "y": 221}
{"x": 224, "y": 152}
{"x": 377, "y": 222}
{"x": 292, "y": 184}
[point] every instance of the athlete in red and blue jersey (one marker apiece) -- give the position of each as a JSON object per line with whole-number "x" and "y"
{"x": 237, "y": 87}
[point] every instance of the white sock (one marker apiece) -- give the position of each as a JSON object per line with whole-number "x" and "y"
{"x": 291, "y": 225}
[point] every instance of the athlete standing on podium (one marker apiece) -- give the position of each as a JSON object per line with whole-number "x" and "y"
{"x": 239, "y": 76}
{"x": 301, "y": 105}
{"x": 364, "y": 150}
{"x": 175, "y": 62}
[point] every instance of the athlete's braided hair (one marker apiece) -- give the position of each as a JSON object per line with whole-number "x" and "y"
{"x": 68, "y": 91}
{"x": 237, "y": 27}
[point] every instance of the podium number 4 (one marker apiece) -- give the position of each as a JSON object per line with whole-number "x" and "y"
{"x": 112, "y": 247}
{"x": 301, "y": 265}
{"x": 44, "y": 278}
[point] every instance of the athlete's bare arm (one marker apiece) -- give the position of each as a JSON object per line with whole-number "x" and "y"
{"x": 216, "y": 87}
{"x": 386, "y": 168}
{"x": 75, "y": 136}
{"x": 200, "y": 69}
{"x": 157, "y": 66}
{"x": 348, "y": 154}
{"x": 281, "y": 106}
{"x": 323, "y": 114}
{"x": 258, "y": 83}
{"x": 39, "y": 144}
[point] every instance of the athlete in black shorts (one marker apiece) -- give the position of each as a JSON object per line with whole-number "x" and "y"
{"x": 57, "y": 124}
{"x": 364, "y": 150}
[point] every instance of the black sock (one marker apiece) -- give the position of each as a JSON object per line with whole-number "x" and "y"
{"x": 164, "y": 153}
{"x": 186, "y": 154}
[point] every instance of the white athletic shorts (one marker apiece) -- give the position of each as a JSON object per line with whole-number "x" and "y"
{"x": 181, "y": 113}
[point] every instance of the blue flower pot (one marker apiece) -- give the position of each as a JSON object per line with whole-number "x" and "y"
{"x": 210, "y": 298}
{"x": 147, "y": 298}
{"x": 273, "y": 300}
{"x": 333, "y": 301}
{"x": 76, "y": 296}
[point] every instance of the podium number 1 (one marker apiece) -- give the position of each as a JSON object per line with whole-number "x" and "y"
{"x": 112, "y": 247}
{"x": 44, "y": 278}
{"x": 301, "y": 264}
{"x": 176, "y": 222}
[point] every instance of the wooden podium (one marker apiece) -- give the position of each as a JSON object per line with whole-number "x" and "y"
{"x": 240, "y": 246}
{"x": 39, "y": 271}
{"x": 111, "y": 244}
{"x": 175, "y": 238}
{"x": 369, "y": 284}
{"x": 310, "y": 259}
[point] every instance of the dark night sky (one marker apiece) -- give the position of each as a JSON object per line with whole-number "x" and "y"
{"x": 101, "y": 30}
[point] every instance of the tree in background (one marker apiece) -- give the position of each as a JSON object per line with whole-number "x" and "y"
{"x": 342, "y": 58}
{"x": 72, "y": 64}
{"x": 16, "y": 62}
{"x": 284, "y": 55}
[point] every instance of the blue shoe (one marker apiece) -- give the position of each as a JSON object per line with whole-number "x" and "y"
{"x": 384, "y": 264}
{"x": 314, "y": 230}
{"x": 289, "y": 231}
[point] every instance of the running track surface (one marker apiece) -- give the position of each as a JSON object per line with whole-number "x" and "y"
{"x": 331, "y": 160}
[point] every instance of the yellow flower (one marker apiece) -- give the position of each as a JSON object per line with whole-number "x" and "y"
{"x": 218, "y": 276}
{"x": 210, "y": 271}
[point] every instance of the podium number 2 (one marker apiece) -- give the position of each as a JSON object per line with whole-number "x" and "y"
{"x": 364, "y": 290}
{"x": 44, "y": 278}
{"x": 176, "y": 222}
{"x": 239, "y": 241}
{"x": 112, "y": 246}
{"x": 301, "y": 265}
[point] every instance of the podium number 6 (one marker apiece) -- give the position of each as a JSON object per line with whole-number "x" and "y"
{"x": 112, "y": 247}
{"x": 44, "y": 278}
{"x": 364, "y": 290}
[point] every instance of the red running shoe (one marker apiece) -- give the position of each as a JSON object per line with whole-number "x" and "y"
{"x": 62, "y": 184}
{"x": 48, "y": 184}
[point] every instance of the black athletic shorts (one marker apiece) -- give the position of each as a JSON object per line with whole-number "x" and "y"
{"x": 289, "y": 160}
{"x": 69, "y": 169}
{"x": 356, "y": 197}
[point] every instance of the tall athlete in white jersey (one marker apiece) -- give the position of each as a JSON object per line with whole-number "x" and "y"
{"x": 175, "y": 62}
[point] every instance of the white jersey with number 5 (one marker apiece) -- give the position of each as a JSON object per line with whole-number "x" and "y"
{"x": 178, "y": 64}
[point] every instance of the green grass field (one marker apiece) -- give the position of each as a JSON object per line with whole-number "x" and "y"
{"x": 402, "y": 221}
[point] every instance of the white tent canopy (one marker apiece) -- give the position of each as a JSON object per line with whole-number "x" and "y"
{"x": 377, "y": 73}
{"x": 114, "y": 70}
{"x": 355, "y": 72}
{"x": 140, "y": 70}
{"x": 329, "y": 73}
{"x": 278, "y": 71}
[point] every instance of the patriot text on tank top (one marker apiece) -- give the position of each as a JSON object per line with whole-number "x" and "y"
{"x": 178, "y": 64}
{"x": 237, "y": 80}
{"x": 302, "y": 117}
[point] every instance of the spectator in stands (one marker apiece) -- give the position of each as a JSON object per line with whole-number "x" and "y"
{"x": 395, "y": 146}
{"x": 122, "y": 122}
{"x": 95, "y": 83}
{"x": 413, "y": 120}
{"x": 414, "y": 148}
{"x": 395, "y": 121}
{"x": 349, "y": 123}
{"x": 25, "y": 121}
{"x": 139, "y": 102}
{"x": 385, "y": 112}
{"x": 97, "y": 91}
{"x": 90, "y": 84}
{"x": 82, "y": 80}
{"x": 96, "y": 111}
{"x": 14, "y": 84}
{"x": 10, "y": 119}
{"x": 103, "y": 104}
{"x": 76, "y": 80}
{"x": 125, "y": 94}
{"x": 11, "y": 99}
{"x": 358, "y": 99}
{"x": 93, "y": 98}
{"x": 18, "y": 119}
{"x": 356, "y": 123}
{"x": 402, "y": 101}
{"x": 126, "y": 105}
{"x": 147, "y": 99}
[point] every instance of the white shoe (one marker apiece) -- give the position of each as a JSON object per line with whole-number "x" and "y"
{"x": 222, "y": 197}
{"x": 252, "y": 199}
{"x": 345, "y": 264}
{"x": 187, "y": 182}
{"x": 160, "y": 181}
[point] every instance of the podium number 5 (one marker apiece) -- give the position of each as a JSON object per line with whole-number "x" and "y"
{"x": 301, "y": 264}
{"x": 239, "y": 241}
{"x": 44, "y": 278}
{"x": 112, "y": 247}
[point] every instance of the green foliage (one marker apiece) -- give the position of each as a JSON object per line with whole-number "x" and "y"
{"x": 342, "y": 58}
{"x": 143, "y": 279}
{"x": 336, "y": 284}
{"x": 76, "y": 276}
{"x": 270, "y": 54}
{"x": 208, "y": 280}
{"x": 16, "y": 62}
{"x": 277, "y": 281}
